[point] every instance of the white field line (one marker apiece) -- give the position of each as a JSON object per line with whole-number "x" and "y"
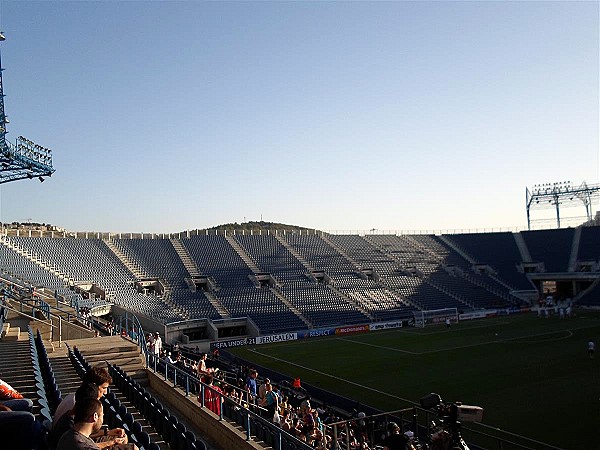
{"x": 495, "y": 341}
{"x": 392, "y": 349}
{"x": 562, "y": 338}
{"x": 266, "y": 355}
{"x": 445, "y": 330}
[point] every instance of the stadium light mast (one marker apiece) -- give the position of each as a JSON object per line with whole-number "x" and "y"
{"x": 562, "y": 193}
{"x": 24, "y": 159}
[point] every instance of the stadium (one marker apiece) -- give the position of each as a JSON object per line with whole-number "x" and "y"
{"x": 263, "y": 335}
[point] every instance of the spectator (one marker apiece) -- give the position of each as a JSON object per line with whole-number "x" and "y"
{"x": 18, "y": 427}
{"x": 88, "y": 419}
{"x": 395, "y": 440}
{"x": 157, "y": 344}
{"x": 212, "y": 396}
{"x": 270, "y": 401}
{"x": 13, "y": 399}
{"x": 65, "y": 422}
{"x": 202, "y": 369}
{"x": 251, "y": 383}
{"x": 262, "y": 390}
{"x": 107, "y": 438}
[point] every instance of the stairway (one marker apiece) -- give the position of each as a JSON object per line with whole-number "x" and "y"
{"x": 131, "y": 265}
{"x": 223, "y": 312}
{"x": 522, "y": 246}
{"x": 186, "y": 258}
{"x": 338, "y": 249}
{"x": 35, "y": 259}
{"x": 574, "y": 250}
{"x": 66, "y": 377}
{"x": 457, "y": 249}
{"x": 115, "y": 350}
{"x": 355, "y": 304}
{"x": 293, "y": 251}
{"x": 17, "y": 366}
{"x": 292, "y": 308}
{"x": 240, "y": 251}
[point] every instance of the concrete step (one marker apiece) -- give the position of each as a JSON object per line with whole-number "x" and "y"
{"x": 146, "y": 426}
{"x": 66, "y": 377}
{"x": 5, "y": 329}
{"x": 110, "y": 356}
{"x": 16, "y": 368}
{"x": 13, "y": 334}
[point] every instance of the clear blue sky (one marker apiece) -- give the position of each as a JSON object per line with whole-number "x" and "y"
{"x": 166, "y": 116}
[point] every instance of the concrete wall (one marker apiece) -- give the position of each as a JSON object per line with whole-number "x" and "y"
{"x": 187, "y": 408}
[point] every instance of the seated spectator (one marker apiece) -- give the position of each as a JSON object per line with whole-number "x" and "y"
{"x": 65, "y": 422}
{"x": 18, "y": 427}
{"x": 115, "y": 439}
{"x": 88, "y": 419}
{"x": 13, "y": 399}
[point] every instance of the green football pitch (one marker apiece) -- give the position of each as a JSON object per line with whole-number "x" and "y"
{"x": 532, "y": 376}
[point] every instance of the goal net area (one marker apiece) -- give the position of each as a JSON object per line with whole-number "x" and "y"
{"x": 434, "y": 316}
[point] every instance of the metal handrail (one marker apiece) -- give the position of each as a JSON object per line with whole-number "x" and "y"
{"x": 177, "y": 375}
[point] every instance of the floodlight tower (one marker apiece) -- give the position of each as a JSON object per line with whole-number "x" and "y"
{"x": 24, "y": 159}
{"x": 562, "y": 193}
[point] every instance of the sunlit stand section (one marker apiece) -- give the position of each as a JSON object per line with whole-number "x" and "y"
{"x": 24, "y": 159}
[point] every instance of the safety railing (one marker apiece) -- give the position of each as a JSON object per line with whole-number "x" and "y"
{"x": 243, "y": 411}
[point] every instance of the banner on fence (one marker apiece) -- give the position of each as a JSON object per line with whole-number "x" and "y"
{"x": 317, "y": 332}
{"x": 276, "y": 338}
{"x": 473, "y": 315}
{"x": 352, "y": 329}
{"x": 385, "y": 325}
{"x": 233, "y": 343}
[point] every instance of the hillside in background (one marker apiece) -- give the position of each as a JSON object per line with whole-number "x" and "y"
{"x": 256, "y": 226}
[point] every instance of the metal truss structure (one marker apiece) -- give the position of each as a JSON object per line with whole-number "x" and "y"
{"x": 23, "y": 159}
{"x": 560, "y": 194}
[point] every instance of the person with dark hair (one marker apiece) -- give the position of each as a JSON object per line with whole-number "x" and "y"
{"x": 99, "y": 378}
{"x": 65, "y": 423}
{"x": 251, "y": 383}
{"x": 395, "y": 440}
{"x": 88, "y": 419}
{"x": 96, "y": 375}
{"x": 213, "y": 395}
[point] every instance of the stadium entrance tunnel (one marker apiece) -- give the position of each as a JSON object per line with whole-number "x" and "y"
{"x": 200, "y": 283}
{"x": 319, "y": 276}
{"x": 264, "y": 279}
{"x": 90, "y": 291}
{"x": 369, "y": 274}
{"x": 201, "y": 332}
{"x": 565, "y": 285}
{"x": 150, "y": 286}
